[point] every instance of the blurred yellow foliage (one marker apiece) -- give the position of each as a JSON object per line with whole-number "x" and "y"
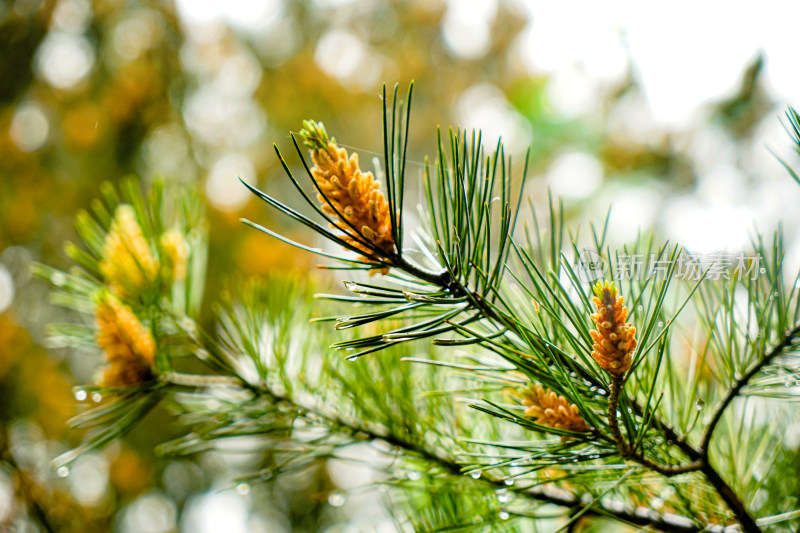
{"x": 259, "y": 255}
{"x": 129, "y": 345}
{"x": 130, "y": 472}
{"x": 176, "y": 251}
{"x": 14, "y": 342}
{"x": 128, "y": 264}
{"x": 84, "y": 125}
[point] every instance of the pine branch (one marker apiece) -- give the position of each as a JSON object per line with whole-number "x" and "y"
{"x": 733, "y": 392}
{"x": 624, "y": 448}
{"x": 700, "y": 460}
{"x": 640, "y": 516}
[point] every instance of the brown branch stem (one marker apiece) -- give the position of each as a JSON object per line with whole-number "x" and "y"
{"x": 626, "y": 451}
{"x": 640, "y": 516}
{"x": 737, "y": 387}
{"x": 699, "y": 457}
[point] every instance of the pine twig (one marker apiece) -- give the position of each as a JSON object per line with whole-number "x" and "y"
{"x": 737, "y": 387}
{"x": 196, "y": 380}
{"x": 700, "y": 461}
{"x": 626, "y": 451}
{"x": 728, "y": 495}
{"x": 640, "y": 516}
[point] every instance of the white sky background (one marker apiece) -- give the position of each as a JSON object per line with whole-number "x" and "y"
{"x": 685, "y": 53}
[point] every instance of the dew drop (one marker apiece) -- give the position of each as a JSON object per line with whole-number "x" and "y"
{"x": 788, "y": 383}
{"x": 503, "y": 515}
{"x": 243, "y": 489}
{"x": 699, "y": 404}
{"x": 414, "y": 476}
{"x": 475, "y": 475}
{"x": 80, "y": 395}
{"x": 502, "y": 495}
{"x": 640, "y": 308}
{"x": 97, "y": 397}
{"x": 509, "y": 481}
{"x": 63, "y": 471}
{"x": 660, "y": 324}
{"x": 762, "y": 270}
{"x": 336, "y": 499}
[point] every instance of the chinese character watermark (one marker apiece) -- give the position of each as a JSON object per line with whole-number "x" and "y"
{"x": 591, "y": 266}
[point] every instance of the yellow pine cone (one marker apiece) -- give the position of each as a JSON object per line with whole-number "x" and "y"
{"x": 549, "y": 409}
{"x": 614, "y": 339}
{"x": 128, "y": 264}
{"x": 355, "y": 194}
{"x": 177, "y": 253}
{"x": 128, "y": 345}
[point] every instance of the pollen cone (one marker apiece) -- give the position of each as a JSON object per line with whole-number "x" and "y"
{"x": 614, "y": 339}
{"x": 549, "y": 409}
{"x": 348, "y": 194}
{"x": 128, "y": 345}
{"x": 128, "y": 265}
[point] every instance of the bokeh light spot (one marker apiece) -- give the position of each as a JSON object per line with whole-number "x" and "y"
{"x": 6, "y": 289}
{"x": 575, "y": 175}
{"x": 6, "y": 496}
{"x": 150, "y": 513}
{"x": 63, "y": 60}
{"x": 29, "y": 127}
{"x": 466, "y": 27}
{"x": 222, "y": 187}
{"x": 89, "y": 480}
{"x": 216, "y": 511}
{"x": 72, "y": 16}
{"x": 347, "y": 58}
{"x": 244, "y": 14}
{"x": 484, "y": 107}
